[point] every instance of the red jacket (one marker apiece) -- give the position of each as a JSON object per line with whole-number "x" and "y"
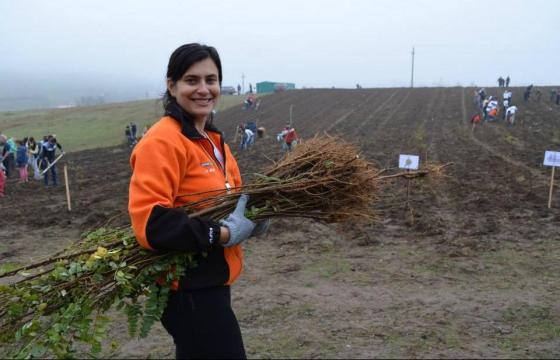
{"x": 291, "y": 136}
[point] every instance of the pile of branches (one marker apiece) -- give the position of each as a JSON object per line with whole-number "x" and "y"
{"x": 52, "y": 305}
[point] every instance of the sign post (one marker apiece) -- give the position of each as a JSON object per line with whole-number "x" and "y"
{"x": 67, "y": 188}
{"x": 291, "y": 107}
{"x": 408, "y": 162}
{"x": 551, "y": 158}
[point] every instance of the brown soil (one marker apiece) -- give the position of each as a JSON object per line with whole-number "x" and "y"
{"x": 468, "y": 269}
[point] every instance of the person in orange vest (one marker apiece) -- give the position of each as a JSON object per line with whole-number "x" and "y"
{"x": 181, "y": 160}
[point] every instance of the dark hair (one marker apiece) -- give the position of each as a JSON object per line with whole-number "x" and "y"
{"x": 182, "y": 59}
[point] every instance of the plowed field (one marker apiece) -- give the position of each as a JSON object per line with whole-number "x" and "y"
{"x": 468, "y": 269}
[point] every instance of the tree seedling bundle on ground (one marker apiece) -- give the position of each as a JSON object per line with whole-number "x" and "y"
{"x": 51, "y": 306}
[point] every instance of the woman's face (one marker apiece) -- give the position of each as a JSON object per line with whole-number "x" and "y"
{"x": 198, "y": 90}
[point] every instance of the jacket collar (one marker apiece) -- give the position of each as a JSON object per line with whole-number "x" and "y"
{"x": 187, "y": 127}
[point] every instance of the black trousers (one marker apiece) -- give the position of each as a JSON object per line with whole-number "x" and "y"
{"x": 203, "y": 325}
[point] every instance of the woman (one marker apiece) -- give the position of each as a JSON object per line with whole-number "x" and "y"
{"x": 182, "y": 159}
{"x": 33, "y": 150}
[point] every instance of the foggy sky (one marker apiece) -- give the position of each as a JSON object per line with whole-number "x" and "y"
{"x": 313, "y": 43}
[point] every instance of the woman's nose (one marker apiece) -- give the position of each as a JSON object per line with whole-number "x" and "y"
{"x": 203, "y": 87}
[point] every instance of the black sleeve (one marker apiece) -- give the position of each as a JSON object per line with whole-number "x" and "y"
{"x": 173, "y": 229}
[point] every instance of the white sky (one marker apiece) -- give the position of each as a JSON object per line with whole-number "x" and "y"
{"x": 313, "y": 43}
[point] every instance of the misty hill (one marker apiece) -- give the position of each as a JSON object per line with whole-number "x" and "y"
{"x": 21, "y": 91}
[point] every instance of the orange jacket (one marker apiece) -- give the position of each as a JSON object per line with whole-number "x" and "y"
{"x": 173, "y": 166}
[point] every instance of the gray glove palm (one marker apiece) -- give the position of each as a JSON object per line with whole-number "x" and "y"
{"x": 240, "y": 228}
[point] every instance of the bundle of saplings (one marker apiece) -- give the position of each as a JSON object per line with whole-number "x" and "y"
{"x": 51, "y": 306}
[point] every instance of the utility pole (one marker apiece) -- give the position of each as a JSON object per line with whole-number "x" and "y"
{"x": 291, "y": 107}
{"x": 243, "y": 83}
{"x": 412, "y": 75}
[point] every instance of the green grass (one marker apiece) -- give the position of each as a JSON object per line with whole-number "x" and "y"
{"x": 264, "y": 341}
{"x": 413, "y": 342}
{"x": 9, "y": 266}
{"x": 530, "y": 325}
{"x": 91, "y": 127}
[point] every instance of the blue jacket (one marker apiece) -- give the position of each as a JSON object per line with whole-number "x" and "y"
{"x": 21, "y": 156}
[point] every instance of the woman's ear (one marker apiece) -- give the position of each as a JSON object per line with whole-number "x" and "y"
{"x": 171, "y": 87}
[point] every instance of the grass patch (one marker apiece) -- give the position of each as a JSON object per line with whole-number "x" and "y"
{"x": 530, "y": 325}
{"x": 415, "y": 342}
{"x": 512, "y": 140}
{"x": 286, "y": 331}
{"x": 9, "y": 266}
{"x": 91, "y": 127}
{"x": 506, "y": 268}
{"x": 556, "y": 136}
{"x": 328, "y": 267}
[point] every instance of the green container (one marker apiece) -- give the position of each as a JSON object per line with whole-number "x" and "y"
{"x": 271, "y": 86}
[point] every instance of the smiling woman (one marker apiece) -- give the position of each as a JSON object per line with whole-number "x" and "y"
{"x": 197, "y": 91}
{"x": 183, "y": 153}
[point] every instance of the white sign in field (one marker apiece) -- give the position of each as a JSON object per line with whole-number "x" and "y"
{"x": 552, "y": 158}
{"x": 409, "y": 162}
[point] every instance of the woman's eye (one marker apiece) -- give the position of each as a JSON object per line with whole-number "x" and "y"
{"x": 191, "y": 81}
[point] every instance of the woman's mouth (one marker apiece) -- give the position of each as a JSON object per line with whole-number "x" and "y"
{"x": 203, "y": 102}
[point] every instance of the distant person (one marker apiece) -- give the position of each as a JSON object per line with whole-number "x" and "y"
{"x": 510, "y": 114}
{"x": 133, "y": 131}
{"x": 552, "y": 95}
{"x": 33, "y": 149}
{"x": 558, "y": 98}
{"x": 476, "y": 118}
{"x": 21, "y": 161}
{"x": 506, "y": 102}
{"x": 501, "y": 81}
{"x": 492, "y": 114}
{"x": 527, "y": 93}
{"x": 485, "y": 108}
{"x": 238, "y": 89}
{"x": 250, "y": 88}
{"x": 130, "y": 139}
{"x": 248, "y": 138}
{"x": 2, "y": 177}
{"x": 127, "y": 134}
{"x": 251, "y": 125}
{"x": 491, "y": 109}
{"x": 48, "y": 156}
{"x": 482, "y": 98}
{"x": 507, "y": 95}
{"x": 507, "y": 81}
{"x": 291, "y": 138}
{"x": 8, "y": 154}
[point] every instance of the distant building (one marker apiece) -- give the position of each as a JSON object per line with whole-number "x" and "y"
{"x": 271, "y": 86}
{"x": 228, "y": 90}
